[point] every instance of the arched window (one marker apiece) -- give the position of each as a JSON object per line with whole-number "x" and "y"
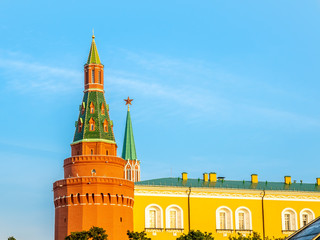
{"x": 174, "y": 217}
{"x": 86, "y": 77}
{"x": 92, "y": 75}
{"x": 243, "y": 219}
{"x": 102, "y": 109}
{"x": 105, "y": 125}
{"x": 153, "y": 216}
{"x": 224, "y": 218}
{"x": 80, "y": 125}
{"x": 128, "y": 173}
{"x": 136, "y": 174}
{"x": 91, "y": 124}
{"x": 91, "y": 108}
{"x": 306, "y": 216}
{"x": 83, "y": 107}
{"x": 289, "y": 220}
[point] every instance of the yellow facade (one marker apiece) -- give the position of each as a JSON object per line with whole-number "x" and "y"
{"x": 211, "y": 209}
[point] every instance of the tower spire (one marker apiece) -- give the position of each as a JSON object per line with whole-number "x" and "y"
{"x": 93, "y": 57}
{"x": 129, "y": 148}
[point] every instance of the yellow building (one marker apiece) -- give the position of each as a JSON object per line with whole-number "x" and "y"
{"x": 167, "y": 207}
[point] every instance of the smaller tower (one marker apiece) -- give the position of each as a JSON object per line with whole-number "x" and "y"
{"x": 132, "y": 168}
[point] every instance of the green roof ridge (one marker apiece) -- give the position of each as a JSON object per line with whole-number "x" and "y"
{"x": 93, "y": 57}
{"x": 129, "y": 148}
{"x": 231, "y": 184}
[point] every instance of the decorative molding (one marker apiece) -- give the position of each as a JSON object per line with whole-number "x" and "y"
{"x": 279, "y": 196}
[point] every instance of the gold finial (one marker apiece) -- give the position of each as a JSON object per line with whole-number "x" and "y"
{"x": 93, "y": 34}
{"x": 128, "y": 102}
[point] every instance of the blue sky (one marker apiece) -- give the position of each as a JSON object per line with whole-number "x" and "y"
{"x": 224, "y": 86}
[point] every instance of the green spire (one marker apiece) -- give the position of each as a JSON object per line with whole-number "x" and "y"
{"x": 129, "y": 148}
{"x": 93, "y": 54}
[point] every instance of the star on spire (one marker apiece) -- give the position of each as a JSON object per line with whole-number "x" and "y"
{"x": 128, "y": 102}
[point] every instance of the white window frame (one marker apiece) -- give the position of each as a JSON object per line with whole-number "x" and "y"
{"x": 306, "y": 210}
{"x": 220, "y": 209}
{"x": 158, "y": 211}
{"x": 171, "y": 207}
{"x": 243, "y": 209}
{"x": 286, "y": 211}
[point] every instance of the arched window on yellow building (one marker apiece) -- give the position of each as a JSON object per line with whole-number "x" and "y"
{"x": 289, "y": 220}
{"x": 243, "y": 219}
{"x": 153, "y": 217}
{"x": 306, "y": 216}
{"x": 224, "y": 218}
{"x": 174, "y": 217}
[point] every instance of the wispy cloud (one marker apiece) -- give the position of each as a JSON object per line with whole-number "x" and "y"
{"x": 179, "y": 85}
{"x": 34, "y": 77}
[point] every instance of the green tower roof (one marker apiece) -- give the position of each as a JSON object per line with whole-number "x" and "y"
{"x": 129, "y": 148}
{"x": 93, "y": 54}
{"x": 100, "y": 116}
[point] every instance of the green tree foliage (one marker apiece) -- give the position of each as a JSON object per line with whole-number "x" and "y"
{"x": 11, "y": 238}
{"x": 137, "y": 235}
{"x": 94, "y": 233}
{"x": 253, "y": 236}
{"x": 196, "y": 235}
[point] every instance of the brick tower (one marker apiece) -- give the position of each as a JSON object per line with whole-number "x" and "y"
{"x": 94, "y": 191}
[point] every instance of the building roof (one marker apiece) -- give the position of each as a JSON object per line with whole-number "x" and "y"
{"x": 93, "y": 57}
{"x": 129, "y": 147}
{"x": 230, "y": 184}
{"x": 100, "y": 114}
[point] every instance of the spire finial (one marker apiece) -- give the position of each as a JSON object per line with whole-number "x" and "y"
{"x": 93, "y": 33}
{"x": 128, "y": 102}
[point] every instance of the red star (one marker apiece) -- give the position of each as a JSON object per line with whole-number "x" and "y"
{"x": 128, "y": 101}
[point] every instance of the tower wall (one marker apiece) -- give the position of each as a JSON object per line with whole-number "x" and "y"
{"x": 81, "y": 203}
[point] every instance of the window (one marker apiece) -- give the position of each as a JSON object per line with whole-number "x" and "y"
{"x": 83, "y": 107}
{"x": 243, "y": 219}
{"x": 105, "y": 125}
{"x": 102, "y": 109}
{"x": 86, "y": 77}
{"x": 92, "y": 76}
{"x": 91, "y": 124}
{"x": 224, "y": 218}
{"x": 136, "y": 175}
{"x": 128, "y": 173}
{"x": 153, "y": 216}
{"x": 99, "y": 77}
{"x": 306, "y": 216}
{"x": 80, "y": 124}
{"x": 91, "y": 108}
{"x": 174, "y": 217}
{"x": 289, "y": 220}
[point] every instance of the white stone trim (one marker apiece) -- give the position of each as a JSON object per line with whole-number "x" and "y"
{"x": 219, "y": 209}
{"x": 154, "y": 206}
{"x": 237, "y": 218}
{"x": 283, "y": 220}
{"x": 168, "y": 215}
{"x": 303, "y": 211}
